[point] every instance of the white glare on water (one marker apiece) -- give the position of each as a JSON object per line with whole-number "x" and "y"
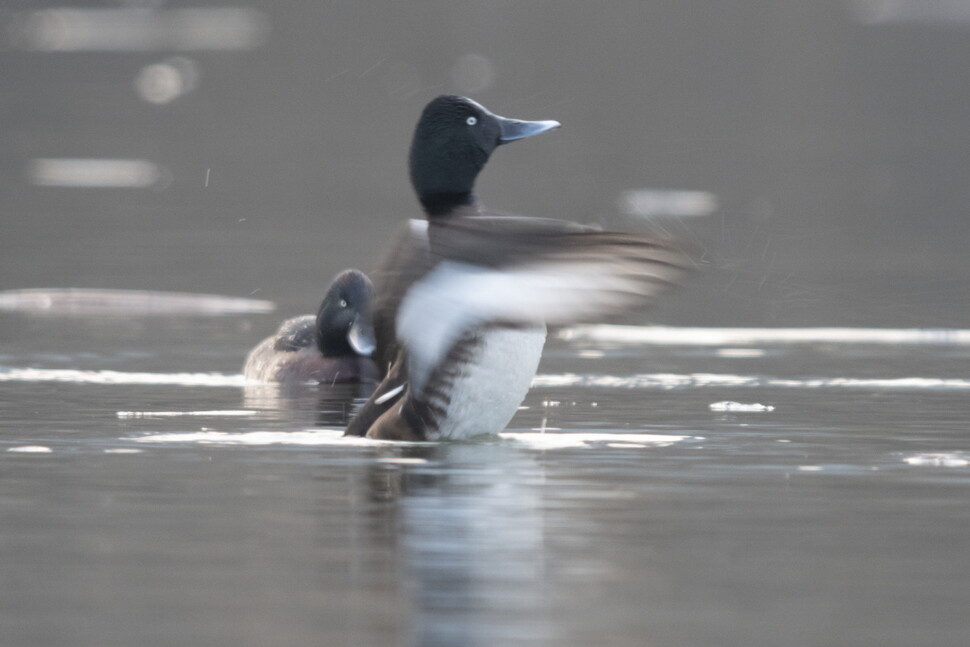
{"x": 166, "y": 81}
{"x": 141, "y": 30}
{"x": 95, "y": 173}
{"x": 928, "y": 12}
{"x": 647, "y": 203}
{"x": 105, "y": 302}
{"x": 688, "y": 336}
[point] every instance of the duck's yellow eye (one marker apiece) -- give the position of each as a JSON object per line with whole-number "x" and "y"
{"x": 343, "y": 303}
{"x": 471, "y": 121}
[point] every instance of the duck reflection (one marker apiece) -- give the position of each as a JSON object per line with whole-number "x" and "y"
{"x": 308, "y": 405}
{"x": 470, "y": 534}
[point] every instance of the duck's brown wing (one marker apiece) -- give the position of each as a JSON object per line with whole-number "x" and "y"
{"x": 444, "y": 279}
{"x": 407, "y": 259}
{"x": 535, "y": 275}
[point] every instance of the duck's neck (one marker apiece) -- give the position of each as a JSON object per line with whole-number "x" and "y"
{"x": 450, "y": 205}
{"x": 330, "y": 342}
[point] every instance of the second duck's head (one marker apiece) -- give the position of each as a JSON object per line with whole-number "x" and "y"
{"x": 452, "y": 142}
{"x": 344, "y": 326}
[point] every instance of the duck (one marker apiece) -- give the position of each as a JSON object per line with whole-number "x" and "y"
{"x": 463, "y": 298}
{"x": 330, "y": 347}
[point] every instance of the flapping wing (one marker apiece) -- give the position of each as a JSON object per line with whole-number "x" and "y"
{"x": 406, "y": 260}
{"x": 420, "y": 245}
{"x": 528, "y": 274}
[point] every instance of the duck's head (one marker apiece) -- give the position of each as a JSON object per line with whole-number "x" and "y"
{"x": 452, "y": 142}
{"x": 344, "y": 325}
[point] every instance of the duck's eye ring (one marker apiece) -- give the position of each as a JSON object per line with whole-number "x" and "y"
{"x": 471, "y": 121}
{"x": 343, "y": 303}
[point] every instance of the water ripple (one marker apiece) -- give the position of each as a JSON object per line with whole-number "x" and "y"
{"x": 325, "y": 437}
{"x": 120, "y": 377}
{"x": 721, "y": 380}
{"x": 686, "y": 336}
{"x": 662, "y": 381}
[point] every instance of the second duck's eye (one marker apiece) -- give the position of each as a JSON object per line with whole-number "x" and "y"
{"x": 343, "y": 303}
{"x": 471, "y": 121}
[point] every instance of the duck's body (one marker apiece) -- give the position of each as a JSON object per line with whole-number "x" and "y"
{"x": 463, "y": 299}
{"x": 333, "y": 346}
{"x": 476, "y": 389}
{"x": 304, "y": 363}
{"x": 496, "y": 373}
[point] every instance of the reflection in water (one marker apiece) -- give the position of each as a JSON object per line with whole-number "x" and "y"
{"x": 308, "y": 404}
{"x": 471, "y": 528}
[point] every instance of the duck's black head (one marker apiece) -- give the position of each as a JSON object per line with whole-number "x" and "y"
{"x": 344, "y": 320}
{"x": 453, "y": 139}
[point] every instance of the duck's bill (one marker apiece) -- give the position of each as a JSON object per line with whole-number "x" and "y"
{"x": 514, "y": 129}
{"x": 361, "y": 337}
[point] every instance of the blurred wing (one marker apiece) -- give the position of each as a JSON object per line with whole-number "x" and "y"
{"x": 420, "y": 245}
{"x": 542, "y": 277}
{"x": 406, "y": 260}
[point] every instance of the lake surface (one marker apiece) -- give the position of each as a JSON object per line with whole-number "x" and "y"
{"x": 816, "y": 157}
{"x": 149, "y": 500}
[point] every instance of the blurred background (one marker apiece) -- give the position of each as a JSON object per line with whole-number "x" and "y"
{"x": 816, "y": 153}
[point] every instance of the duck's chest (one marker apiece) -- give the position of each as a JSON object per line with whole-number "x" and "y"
{"x": 485, "y": 389}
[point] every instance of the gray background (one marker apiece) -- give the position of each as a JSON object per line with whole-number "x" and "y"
{"x": 834, "y": 135}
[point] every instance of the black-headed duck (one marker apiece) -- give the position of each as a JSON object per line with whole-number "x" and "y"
{"x": 463, "y": 299}
{"x": 333, "y": 346}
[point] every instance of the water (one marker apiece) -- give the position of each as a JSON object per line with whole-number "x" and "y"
{"x": 152, "y": 506}
{"x": 149, "y": 496}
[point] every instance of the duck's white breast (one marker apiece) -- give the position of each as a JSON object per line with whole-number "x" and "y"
{"x": 488, "y": 390}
